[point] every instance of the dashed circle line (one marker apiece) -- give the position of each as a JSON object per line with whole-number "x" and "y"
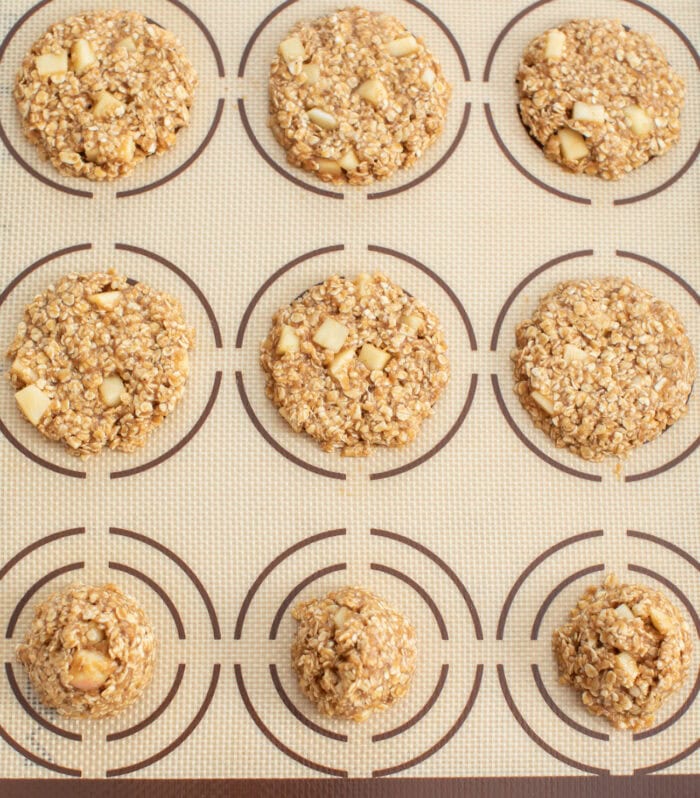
{"x": 556, "y": 591}
{"x": 66, "y": 533}
{"x": 667, "y": 583}
{"x": 37, "y": 760}
{"x": 201, "y": 712}
{"x": 633, "y": 533}
{"x": 33, "y": 714}
{"x": 207, "y": 34}
{"x": 156, "y": 588}
{"x": 506, "y": 30}
{"x": 646, "y": 771}
{"x": 157, "y": 712}
{"x": 298, "y": 714}
{"x": 422, "y": 712}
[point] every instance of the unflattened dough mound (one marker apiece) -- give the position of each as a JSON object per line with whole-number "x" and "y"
{"x": 90, "y": 651}
{"x": 600, "y": 99}
{"x": 99, "y": 362}
{"x": 603, "y": 366}
{"x": 356, "y": 364}
{"x": 100, "y": 92}
{"x": 354, "y": 96}
{"x": 626, "y": 648}
{"x": 353, "y": 654}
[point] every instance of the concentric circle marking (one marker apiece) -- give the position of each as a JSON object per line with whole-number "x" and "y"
{"x": 37, "y": 760}
{"x": 556, "y": 591}
{"x": 66, "y": 533}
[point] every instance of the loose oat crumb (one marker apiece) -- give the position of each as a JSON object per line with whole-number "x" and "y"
{"x": 602, "y": 366}
{"x": 110, "y": 359}
{"x": 354, "y": 96}
{"x": 626, "y": 649}
{"x": 114, "y": 89}
{"x": 369, "y": 378}
{"x": 353, "y": 654}
{"x": 90, "y": 651}
{"x": 610, "y": 90}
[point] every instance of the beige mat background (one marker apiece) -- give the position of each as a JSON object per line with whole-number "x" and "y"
{"x": 228, "y": 503}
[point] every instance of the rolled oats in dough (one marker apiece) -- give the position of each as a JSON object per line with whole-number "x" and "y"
{"x": 90, "y": 651}
{"x": 100, "y": 92}
{"x": 355, "y": 96}
{"x": 98, "y": 362}
{"x": 603, "y": 366}
{"x": 600, "y": 99}
{"x": 626, "y": 649}
{"x": 356, "y": 364}
{"x": 353, "y": 654}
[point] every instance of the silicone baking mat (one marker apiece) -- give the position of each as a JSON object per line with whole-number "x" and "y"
{"x": 482, "y": 532}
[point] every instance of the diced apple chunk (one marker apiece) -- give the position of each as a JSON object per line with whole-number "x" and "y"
{"x": 543, "y": 401}
{"x": 662, "y": 623}
{"x": 349, "y": 161}
{"x": 341, "y": 361}
{"x": 49, "y": 64}
{"x": 312, "y": 73}
{"x": 23, "y": 372}
{"x": 322, "y": 118}
{"x": 374, "y": 358}
{"x": 81, "y": 56}
{"x": 126, "y": 150}
{"x": 89, "y": 670}
{"x": 573, "y": 353}
{"x": 623, "y": 611}
{"x": 33, "y": 403}
{"x": 572, "y": 144}
{"x": 288, "y": 342}
{"x": 292, "y": 50}
{"x": 107, "y": 105}
{"x": 586, "y": 112}
{"x": 402, "y": 46}
{"x": 639, "y": 122}
{"x": 428, "y": 77}
{"x": 554, "y": 46}
{"x": 413, "y": 322}
{"x": 127, "y": 43}
{"x": 372, "y": 91}
{"x": 363, "y": 282}
{"x": 111, "y": 390}
{"x": 107, "y": 300}
{"x": 627, "y": 665}
{"x": 327, "y": 166}
{"x": 331, "y": 335}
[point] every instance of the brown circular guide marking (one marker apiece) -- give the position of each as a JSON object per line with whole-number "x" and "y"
{"x": 66, "y": 533}
{"x": 37, "y": 760}
{"x": 154, "y": 184}
{"x": 526, "y": 173}
{"x": 534, "y": 634}
{"x": 309, "y": 186}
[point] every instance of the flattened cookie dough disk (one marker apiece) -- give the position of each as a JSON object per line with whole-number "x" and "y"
{"x": 600, "y": 99}
{"x": 100, "y": 92}
{"x": 356, "y": 364}
{"x": 602, "y": 366}
{"x": 355, "y": 96}
{"x": 353, "y": 654}
{"x": 90, "y": 651}
{"x": 626, "y": 649}
{"x": 98, "y": 362}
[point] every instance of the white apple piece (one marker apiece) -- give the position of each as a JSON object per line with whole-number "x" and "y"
{"x": 374, "y": 358}
{"x": 331, "y": 335}
{"x": 111, "y": 390}
{"x": 51, "y": 64}
{"x": 554, "y": 46}
{"x": 572, "y": 143}
{"x": 33, "y": 402}
{"x": 288, "y": 343}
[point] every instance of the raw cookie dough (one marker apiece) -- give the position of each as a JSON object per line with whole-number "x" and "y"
{"x": 600, "y": 99}
{"x": 354, "y": 96}
{"x": 99, "y": 92}
{"x": 626, "y": 648}
{"x": 353, "y": 654}
{"x": 90, "y": 651}
{"x": 356, "y": 364}
{"x": 98, "y": 362}
{"x": 602, "y": 366}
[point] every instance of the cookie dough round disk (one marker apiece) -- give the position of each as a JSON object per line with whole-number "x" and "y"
{"x": 600, "y": 99}
{"x": 602, "y": 366}
{"x": 626, "y": 649}
{"x": 356, "y": 364}
{"x": 353, "y": 654}
{"x": 99, "y": 92}
{"x": 90, "y": 651}
{"x": 98, "y": 362}
{"x": 355, "y": 96}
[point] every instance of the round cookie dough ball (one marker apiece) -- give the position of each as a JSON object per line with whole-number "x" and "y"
{"x": 90, "y": 651}
{"x": 602, "y": 366}
{"x": 353, "y": 654}
{"x": 626, "y": 648}
{"x": 356, "y": 364}
{"x": 98, "y": 362}
{"x": 354, "y": 96}
{"x": 600, "y": 99}
{"x": 100, "y": 92}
